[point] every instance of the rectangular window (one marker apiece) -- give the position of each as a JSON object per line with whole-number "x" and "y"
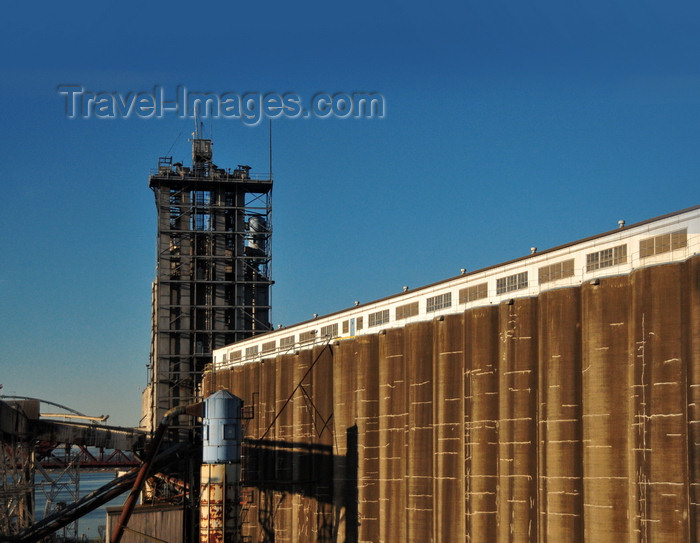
{"x": 560, "y": 270}
{"x": 663, "y": 243}
{"x": 201, "y": 221}
{"x": 269, "y": 346}
{"x": 606, "y": 258}
{"x": 235, "y": 355}
{"x": 646, "y": 247}
{"x": 230, "y": 432}
{"x": 251, "y": 351}
{"x": 512, "y": 282}
{"x": 201, "y": 197}
{"x": 439, "y": 302}
{"x": 477, "y": 292}
{"x": 679, "y": 239}
{"x": 307, "y": 336}
{"x": 360, "y": 323}
{"x": 286, "y": 342}
{"x": 329, "y": 331}
{"x": 346, "y": 327}
{"x": 378, "y": 318}
{"x": 406, "y": 311}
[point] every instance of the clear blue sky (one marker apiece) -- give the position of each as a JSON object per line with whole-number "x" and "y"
{"x": 508, "y": 125}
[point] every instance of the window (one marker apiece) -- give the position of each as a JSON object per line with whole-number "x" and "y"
{"x": 511, "y": 283}
{"x": 360, "y": 323}
{"x": 269, "y": 346}
{"x": 380, "y": 317}
{"x": 201, "y": 221}
{"x": 606, "y": 258}
{"x": 439, "y": 302}
{"x": 329, "y": 331}
{"x": 201, "y": 197}
{"x": 477, "y": 292}
{"x": 235, "y": 355}
{"x": 679, "y": 239}
{"x": 407, "y": 310}
{"x": 230, "y": 432}
{"x": 664, "y": 243}
{"x": 287, "y": 342}
{"x": 346, "y": 327}
{"x": 251, "y": 351}
{"x": 174, "y": 218}
{"x": 560, "y": 270}
{"x": 307, "y": 336}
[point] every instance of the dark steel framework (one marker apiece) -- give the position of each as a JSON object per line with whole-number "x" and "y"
{"x": 213, "y": 270}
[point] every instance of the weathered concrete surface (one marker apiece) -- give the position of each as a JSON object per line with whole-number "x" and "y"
{"x": 574, "y": 416}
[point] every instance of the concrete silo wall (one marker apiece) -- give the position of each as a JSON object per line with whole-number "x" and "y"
{"x": 573, "y": 416}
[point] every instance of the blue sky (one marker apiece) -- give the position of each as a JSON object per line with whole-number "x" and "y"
{"x": 508, "y": 125}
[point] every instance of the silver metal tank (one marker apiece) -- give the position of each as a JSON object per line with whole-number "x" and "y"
{"x": 222, "y": 428}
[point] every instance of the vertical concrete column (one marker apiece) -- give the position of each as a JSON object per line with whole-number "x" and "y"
{"x": 560, "y": 461}
{"x": 301, "y": 432}
{"x": 448, "y": 429}
{"x": 658, "y": 436}
{"x": 481, "y": 419}
{"x": 393, "y": 425}
{"x": 691, "y": 355}
{"x": 268, "y": 498}
{"x": 517, "y": 437}
{"x": 209, "y": 383}
{"x": 419, "y": 351}
{"x": 367, "y": 368}
{"x": 246, "y": 379}
{"x": 345, "y": 460}
{"x": 323, "y": 433}
{"x": 606, "y": 417}
{"x": 285, "y": 432}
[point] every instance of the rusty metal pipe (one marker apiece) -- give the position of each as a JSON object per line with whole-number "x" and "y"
{"x": 130, "y": 503}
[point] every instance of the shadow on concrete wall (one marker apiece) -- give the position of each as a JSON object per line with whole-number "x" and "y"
{"x": 281, "y": 468}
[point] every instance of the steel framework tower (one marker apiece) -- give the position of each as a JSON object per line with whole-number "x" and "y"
{"x": 213, "y": 270}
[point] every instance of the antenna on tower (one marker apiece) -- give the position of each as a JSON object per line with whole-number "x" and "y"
{"x": 270, "y": 148}
{"x": 195, "y": 134}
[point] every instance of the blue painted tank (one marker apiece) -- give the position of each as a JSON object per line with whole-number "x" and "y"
{"x": 222, "y": 428}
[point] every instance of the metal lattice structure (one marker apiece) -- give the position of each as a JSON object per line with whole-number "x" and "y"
{"x": 16, "y": 486}
{"x": 213, "y": 270}
{"x": 61, "y": 487}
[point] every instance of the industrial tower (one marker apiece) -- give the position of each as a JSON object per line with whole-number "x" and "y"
{"x": 213, "y": 270}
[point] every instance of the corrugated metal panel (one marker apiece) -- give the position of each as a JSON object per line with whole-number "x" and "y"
{"x": 161, "y": 522}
